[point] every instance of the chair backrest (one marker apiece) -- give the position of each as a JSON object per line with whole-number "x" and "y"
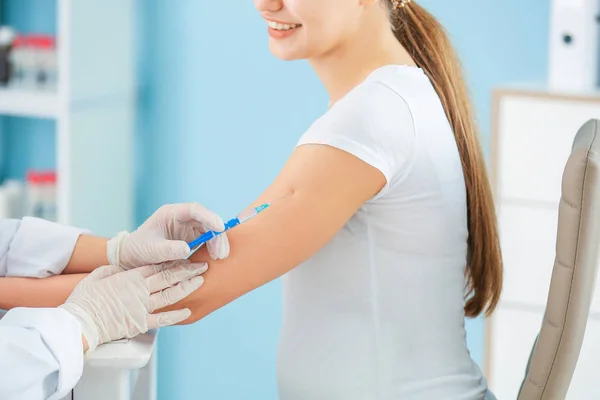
{"x": 556, "y": 350}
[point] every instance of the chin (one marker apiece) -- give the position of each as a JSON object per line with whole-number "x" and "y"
{"x": 285, "y": 54}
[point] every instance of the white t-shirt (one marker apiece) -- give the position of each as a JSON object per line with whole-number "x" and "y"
{"x": 377, "y": 313}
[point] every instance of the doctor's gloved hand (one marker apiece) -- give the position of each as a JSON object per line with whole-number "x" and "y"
{"x": 164, "y": 236}
{"x": 112, "y": 303}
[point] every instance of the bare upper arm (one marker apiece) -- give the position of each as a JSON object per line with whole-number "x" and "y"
{"x": 326, "y": 187}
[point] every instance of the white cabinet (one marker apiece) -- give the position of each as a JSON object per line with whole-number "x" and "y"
{"x": 532, "y": 139}
{"x": 527, "y": 238}
{"x": 94, "y": 108}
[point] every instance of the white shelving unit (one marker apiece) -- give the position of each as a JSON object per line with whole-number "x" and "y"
{"x": 94, "y": 110}
{"x": 533, "y": 134}
{"x": 21, "y": 103}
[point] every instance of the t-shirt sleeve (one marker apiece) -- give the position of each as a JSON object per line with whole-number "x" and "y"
{"x": 374, "y": 124}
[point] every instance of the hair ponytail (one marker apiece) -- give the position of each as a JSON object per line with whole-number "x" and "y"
{"x": 425, "y": 40}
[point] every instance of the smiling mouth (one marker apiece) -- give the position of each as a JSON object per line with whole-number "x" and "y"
{"x": 278, "y": 26}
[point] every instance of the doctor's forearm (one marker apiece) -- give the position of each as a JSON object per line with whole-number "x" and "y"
{"x": 89, "y": 253}
{"x": 33, "y": 292}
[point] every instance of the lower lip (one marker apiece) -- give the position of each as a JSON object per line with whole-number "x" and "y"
{"x": 275, "y": 34}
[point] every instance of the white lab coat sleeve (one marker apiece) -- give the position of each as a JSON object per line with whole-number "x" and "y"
{"x": 41, "y": 354}
{"x": 35, "y": 248}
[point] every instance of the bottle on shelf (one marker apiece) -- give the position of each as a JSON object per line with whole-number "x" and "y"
{"x": 18, "y": 61}
{"x": 33, "y": 62}
{"x": 45, "y": 62}
{"x": 15, "y": 191}
{"x": 11, "y": 199}
{"x": 35, "y": 194}
{"x": 24, "y": 62}
{"x": 7, "y": 37}
{"x": 36, "y": 197}
{"x": 49, "y": 196}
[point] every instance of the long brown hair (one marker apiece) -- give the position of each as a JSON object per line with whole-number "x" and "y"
{"x": 426, "y": 41}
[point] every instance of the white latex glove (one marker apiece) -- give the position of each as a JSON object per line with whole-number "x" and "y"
{"x": 112, "y": 303}
{"x": 164, "y": 236}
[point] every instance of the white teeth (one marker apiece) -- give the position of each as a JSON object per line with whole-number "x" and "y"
{"x": 281, "y": 27}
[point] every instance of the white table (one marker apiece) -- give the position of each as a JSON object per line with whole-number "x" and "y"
{"x": 122, "y": 370}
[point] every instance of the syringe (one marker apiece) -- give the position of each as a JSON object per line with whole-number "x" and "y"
{"x": 232, "y": 223}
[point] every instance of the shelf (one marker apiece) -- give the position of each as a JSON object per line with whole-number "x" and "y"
{"x": 24, "y": 103}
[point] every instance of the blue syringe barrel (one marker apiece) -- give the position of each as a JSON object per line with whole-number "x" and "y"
{"x": 205, "y": 237}
{"x": 232, "y": 223}
{"x": 202, "y": 239}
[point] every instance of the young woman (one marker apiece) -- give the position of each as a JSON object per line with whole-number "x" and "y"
{"x": 388, "y": 235}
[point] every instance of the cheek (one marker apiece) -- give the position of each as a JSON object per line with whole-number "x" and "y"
{"x": 325, "y": 36}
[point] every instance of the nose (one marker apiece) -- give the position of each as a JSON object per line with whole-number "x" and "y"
{"x": 268, "y": 5}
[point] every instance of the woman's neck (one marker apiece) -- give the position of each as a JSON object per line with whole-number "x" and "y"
{"x": 347, "y": 66}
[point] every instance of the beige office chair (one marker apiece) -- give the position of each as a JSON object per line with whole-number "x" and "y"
{"x": 556, "y": 349}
